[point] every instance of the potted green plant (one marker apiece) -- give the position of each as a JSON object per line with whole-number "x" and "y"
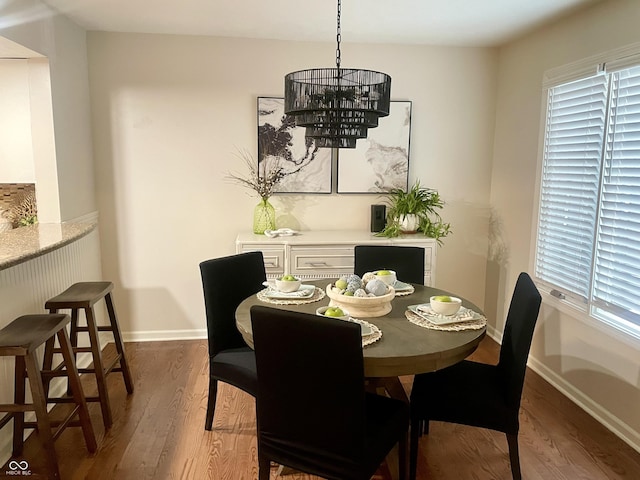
{"x": 415, "y": 210}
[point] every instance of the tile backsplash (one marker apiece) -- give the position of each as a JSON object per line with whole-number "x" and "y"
{"x": 12, "y": 194}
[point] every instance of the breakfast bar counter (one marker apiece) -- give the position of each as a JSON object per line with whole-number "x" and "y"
{"x": 25, "y": 243}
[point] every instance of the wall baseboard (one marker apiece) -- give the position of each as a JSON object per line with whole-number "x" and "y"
{"x": 164, "y": 335}
{"x": 605, "y": 417}
{"x": 602, "y": 415}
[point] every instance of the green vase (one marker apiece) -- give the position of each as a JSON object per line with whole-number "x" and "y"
{"x": 264, "y": 217}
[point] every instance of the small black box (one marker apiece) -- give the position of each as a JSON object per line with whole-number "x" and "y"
{"x": 378, "y": 214}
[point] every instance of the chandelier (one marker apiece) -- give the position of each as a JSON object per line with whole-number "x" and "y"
{"x": 337, "y": 105}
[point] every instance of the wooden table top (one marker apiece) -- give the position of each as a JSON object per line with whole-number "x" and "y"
{"x": 405, "y": 348}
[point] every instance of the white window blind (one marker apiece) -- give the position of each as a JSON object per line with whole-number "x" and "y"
{"x": 617, "y": 262}
{"x": 573, "y": 145}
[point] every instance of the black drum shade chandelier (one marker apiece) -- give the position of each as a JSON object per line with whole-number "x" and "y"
{"x": 337, "y": 105}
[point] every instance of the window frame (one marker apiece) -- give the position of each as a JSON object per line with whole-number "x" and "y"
{"x": 574, "y": 305}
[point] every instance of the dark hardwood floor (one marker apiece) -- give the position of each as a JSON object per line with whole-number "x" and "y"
{"x": 158, "y": 432}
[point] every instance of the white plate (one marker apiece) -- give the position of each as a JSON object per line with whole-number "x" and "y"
{"x": 463, "y": 315}
{"x": 305, "y": 291}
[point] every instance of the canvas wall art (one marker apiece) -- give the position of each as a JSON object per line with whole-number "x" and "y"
{"x": 307, "y": 168}
{"x": 380, "y": 161}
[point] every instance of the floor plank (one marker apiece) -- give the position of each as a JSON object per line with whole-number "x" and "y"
{"x": 158, "y": 432}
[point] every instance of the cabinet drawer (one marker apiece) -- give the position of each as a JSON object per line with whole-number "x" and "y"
{"x": 273, "y": 258}
{"x": 321, "y": 261}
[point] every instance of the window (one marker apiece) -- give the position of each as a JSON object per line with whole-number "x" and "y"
{"x": 588, "y": 237}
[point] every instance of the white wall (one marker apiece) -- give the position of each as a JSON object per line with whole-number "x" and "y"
{"x": 61, "y": 127}
{"x": 16, "y": 153}
{"x": 169, "y": 112}
{"x": 596, "y": 367}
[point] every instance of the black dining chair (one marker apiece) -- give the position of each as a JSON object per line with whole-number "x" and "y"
{"x": 408, "y": 262}
{"x": 477, "y": 394}
{"x": 312, "y": 409}
{"x": 226, "y": 282}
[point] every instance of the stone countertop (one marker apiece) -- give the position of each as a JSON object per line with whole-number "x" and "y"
{"x": 25, "y": 243}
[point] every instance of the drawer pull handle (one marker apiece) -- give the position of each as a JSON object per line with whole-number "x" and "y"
{"x": 271, "y": 264}
{"x": 318, "y": 264}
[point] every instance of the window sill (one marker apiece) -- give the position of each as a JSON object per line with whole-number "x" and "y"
{"x": 617, "y": 332}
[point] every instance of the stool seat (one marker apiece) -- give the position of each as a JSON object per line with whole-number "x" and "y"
{"x": 80, "y": 295}
{"x": 26, "y": 333}
{"x": 20, "y": 339}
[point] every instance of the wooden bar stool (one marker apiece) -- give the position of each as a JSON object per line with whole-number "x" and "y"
{"x": 83, "y": 296}
{"x": 20, "y": 339}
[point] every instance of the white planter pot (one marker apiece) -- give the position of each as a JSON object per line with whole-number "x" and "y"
{"x": 409, "y": 223}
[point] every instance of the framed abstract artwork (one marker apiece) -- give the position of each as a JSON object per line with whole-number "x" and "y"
{"x": 307, "y": 168}
{"x": 380, "y": 161}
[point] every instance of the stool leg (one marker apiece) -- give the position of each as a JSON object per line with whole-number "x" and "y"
{"x": 47, "y": 363}
{"x": 73, "y": 337}
{"x": 73, "y": 331}
{"x": 98, "y": 366}
{"x": 42, "y": 417}
{"x": 76, "y": 388}
{"x": 117, "y": 337}
{"x": 19, "y": 398}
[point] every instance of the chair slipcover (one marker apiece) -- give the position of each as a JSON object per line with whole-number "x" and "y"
{"x": 312, "y": 409}
{"x": 477, "y": 394}
{"x": 408, "y": 262}
{"x": 226, "y": 282}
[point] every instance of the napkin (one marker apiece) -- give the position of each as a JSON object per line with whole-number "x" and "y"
{"x": 281, "y": 232}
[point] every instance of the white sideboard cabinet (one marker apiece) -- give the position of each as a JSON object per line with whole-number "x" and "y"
{"x": 325, "y": 254}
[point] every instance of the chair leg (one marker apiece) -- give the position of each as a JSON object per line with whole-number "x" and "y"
{"x": 211, "y": 403}
{"x": 402, "y": 456}
{"x": 264, "y": 467}
{"x": 416, "y": 427}
{"x": 514, "y": 456}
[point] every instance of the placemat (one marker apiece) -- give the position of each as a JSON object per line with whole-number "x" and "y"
{"x": 374, "y": 336}
{"x": 318, "y": 294}
{"x": 453, "y": 327}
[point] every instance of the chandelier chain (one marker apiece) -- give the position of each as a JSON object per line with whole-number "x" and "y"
{"x": 338, "y": 35}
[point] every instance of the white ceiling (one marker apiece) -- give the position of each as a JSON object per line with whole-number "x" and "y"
{"x": 440, "y": 22}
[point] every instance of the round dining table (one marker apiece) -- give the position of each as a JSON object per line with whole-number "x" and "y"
{"x": 404, "y": 348}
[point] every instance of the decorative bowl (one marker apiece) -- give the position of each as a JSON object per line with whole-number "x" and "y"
{"x": 449, "y": 307}
{"x": 389, "y": 279}
{"x": 321, "y": 311}
{"x": 287, "y": 286}
{"x": 362, "y": 306}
